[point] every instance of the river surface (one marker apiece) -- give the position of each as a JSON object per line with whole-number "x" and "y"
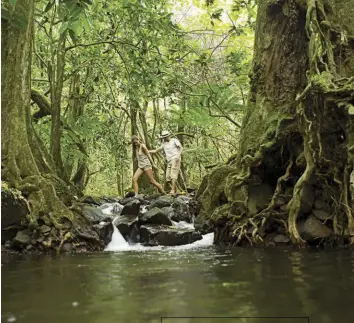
{"x": 144, "y": 285}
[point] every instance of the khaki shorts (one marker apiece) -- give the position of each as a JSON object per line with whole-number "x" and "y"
{"x": 173, "y": 167}
{"x": 145, "y": 168}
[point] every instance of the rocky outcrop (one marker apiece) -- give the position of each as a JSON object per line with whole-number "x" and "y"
{"x": 312, "y": 228}
{"x": 14, "y": 209}
{"x": 158, "y": 222}
{"x": 105, "y": 231}
{"x": 95, "y": 215}
{"x": 131, "y": 208}
{"x": 128, "y": 227}
{"x": 155, "y": 216}
{"x": 152, "y": 235}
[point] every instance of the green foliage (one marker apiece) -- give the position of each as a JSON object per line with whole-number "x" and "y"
{"x": 126, "y": 55}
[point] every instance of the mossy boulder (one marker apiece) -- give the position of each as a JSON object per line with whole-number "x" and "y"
{"x": 211, "y": 193}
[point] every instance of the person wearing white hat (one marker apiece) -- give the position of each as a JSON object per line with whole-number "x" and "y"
{"x": 173, "y": 151}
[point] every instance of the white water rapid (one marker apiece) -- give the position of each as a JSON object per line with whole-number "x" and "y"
{"x": 118, "y": 243}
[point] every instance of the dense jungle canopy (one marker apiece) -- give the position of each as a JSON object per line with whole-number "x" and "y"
{"x": 259, "y": 94}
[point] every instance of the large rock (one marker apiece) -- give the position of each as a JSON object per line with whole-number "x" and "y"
{"x": 280, "y": 238}
{"x": 131, "y": 208}
{"x": 155, "y": 216}
{"x": 312, "y": 228}
{"x": 91, "y": 200}
{"x": 168, "y": 211}
{"x": 105, "y": 231}
{"x": 128, "y": 227}
{"x": 321, "y": 205}
{"x": 322, "y": 215}
{"x": 162, "y": 201}
{"x": 95, "y": 215}
{"x": 22, "y": 239}
{"x": 258, "y": 197}
{"x": 109, "y": 199}
{"x": 14, "y": 209}
{"x": 152, "y": 235}
{"x": 181, "y": 210}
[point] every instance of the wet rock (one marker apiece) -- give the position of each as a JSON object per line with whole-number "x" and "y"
{"x": 95, "y": 215}
{"x": 165, "y": 236}
{"x": 312, "y": 228}
{"x": 125, "y": 200}
{"x": 162, "y": 201}
{"x": 108, "y": 199}
{"x": 203, "y": 226}
{"x": 22, "y": 239}
{"x": 127, "y": 226}
{"x": 67, "y": 247}
{"x": 194, "y": 207}
{"x": 14, "y": 209}
{"x": 154, "y": 216}
{"x": 280, "y": 238}
{"x": 306, "y": 198}
{"x": 321, "y": 215}
{"x": 320, "y": 205}
{"x": 181, "y": 210}
{"x": 168, "y": 211}
{"x": 44, "y": 229}
{"x": 258, "y": 197}
{"x": 131, "y": 208}
{"x": 87, "y": 234}
{"x": 90, "y": 200}
{"x": 128, "y": 195}
{"x": 105, "y": 231}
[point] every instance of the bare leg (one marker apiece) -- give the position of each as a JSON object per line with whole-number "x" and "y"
{"x": 136, "y": 177}
{"x": 152, "y": 180}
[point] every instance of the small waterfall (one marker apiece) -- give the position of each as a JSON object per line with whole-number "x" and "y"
{"x": 117, "y": 242}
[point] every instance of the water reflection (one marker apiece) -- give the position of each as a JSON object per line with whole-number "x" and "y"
{"x": 144, "y": 286}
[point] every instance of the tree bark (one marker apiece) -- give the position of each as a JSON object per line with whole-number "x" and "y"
{"x": 19, "y": 165}
{"x": 56, "y": 83}
{"x": 297, "y": 131}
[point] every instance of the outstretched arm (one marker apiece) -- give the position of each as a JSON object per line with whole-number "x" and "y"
{"x": 156, "y": 150}
{"x": 146, "y": 152}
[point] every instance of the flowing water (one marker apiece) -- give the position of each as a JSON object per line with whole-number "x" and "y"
{"x": 137, "y": 284}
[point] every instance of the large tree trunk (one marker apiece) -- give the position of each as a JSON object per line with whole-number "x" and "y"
{"x": 19, "y": 163}
{"x": 56, "y": 87}
{"x": 292, "y": 172}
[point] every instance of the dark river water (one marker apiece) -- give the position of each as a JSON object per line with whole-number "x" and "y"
{"x": 143, "y": 286}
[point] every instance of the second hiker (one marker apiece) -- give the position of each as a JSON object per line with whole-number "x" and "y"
{"x": 173, "y": 150}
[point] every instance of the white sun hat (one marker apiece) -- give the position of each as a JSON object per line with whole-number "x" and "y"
{"x": 164, "y": 134}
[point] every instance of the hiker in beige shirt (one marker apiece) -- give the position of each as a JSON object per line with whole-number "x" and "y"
{"x": 173, "y": 150}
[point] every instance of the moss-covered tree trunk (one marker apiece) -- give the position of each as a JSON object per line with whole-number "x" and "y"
{"x": 292, "y": 172}
{"x": 21, "y": 168}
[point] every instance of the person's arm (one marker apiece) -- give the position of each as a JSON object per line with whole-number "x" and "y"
{"x": 146, "y": 152}
{"x": 179, "y": 146}
{"x": 156, "y": 150}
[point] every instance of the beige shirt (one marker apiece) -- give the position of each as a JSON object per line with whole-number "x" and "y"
{"x": 172, "y": 149}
